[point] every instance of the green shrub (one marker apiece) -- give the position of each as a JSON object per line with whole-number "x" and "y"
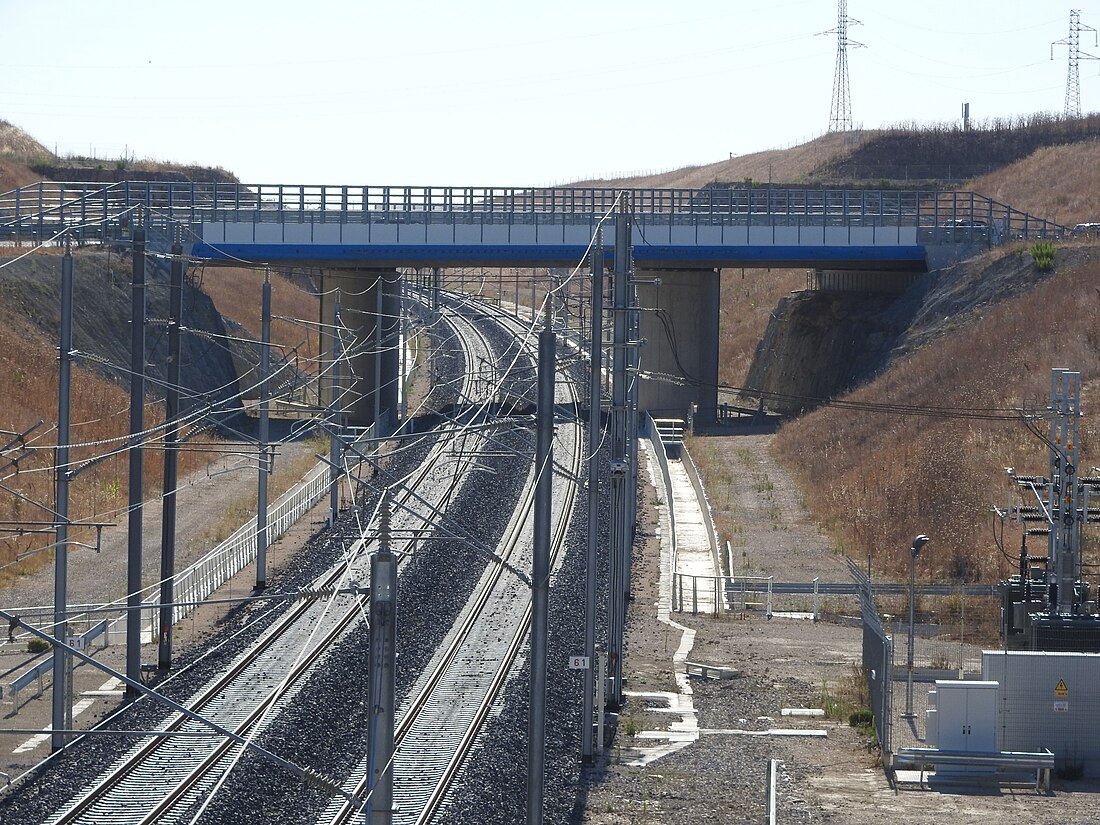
{"x": 37, "y": 645}
{"x": 862, "y": 719}
{"x": 1043, "y": 253}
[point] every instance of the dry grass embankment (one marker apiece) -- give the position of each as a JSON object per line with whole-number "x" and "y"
{"x": 876, "y": 479}
{"x": 786, "y": 165}
{"x": 18, "y": 145}
{"x": 17, "y": 151}
{"x": 1057, "y": 182}
{"x": 14, "y": 175}
{"x": 237, "y": 294}
{"x": 947, "y": 152}
{"x": 100, "y": 413}
{"x": 748, "y": 298}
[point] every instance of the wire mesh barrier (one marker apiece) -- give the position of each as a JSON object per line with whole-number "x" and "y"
{"x": 877, "y": 662}
{"x": 937, "y": 655}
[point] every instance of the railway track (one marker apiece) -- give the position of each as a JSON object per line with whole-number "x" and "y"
{"x": 439, "y": 722}
{"x": 163, "y": 778}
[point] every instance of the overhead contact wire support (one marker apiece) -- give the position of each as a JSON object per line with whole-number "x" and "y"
{"x": 62, "y": 659}
{"x": 137, "y": 425}
{"x": 263, "y": 435}
{"x": 540, "y": 569}
{"x": 621, "y": 472}
{"x": 171, "y": 461}
{"x": 381, "y": 685}
{"x": 594, "y": 409}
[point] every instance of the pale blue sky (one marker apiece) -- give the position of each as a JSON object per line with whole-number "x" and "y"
{"x": 483, "y": 92}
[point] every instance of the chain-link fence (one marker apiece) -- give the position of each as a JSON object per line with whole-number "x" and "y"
{"x": 878, "y": 662}
{"x": 940, "y": 652}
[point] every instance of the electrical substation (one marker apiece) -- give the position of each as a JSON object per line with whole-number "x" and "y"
{"x": 1047, "y": 606}
{"x": 1036, "y": 703}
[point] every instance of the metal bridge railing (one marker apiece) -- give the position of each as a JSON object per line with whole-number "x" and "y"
{"x": 947, "y": 217}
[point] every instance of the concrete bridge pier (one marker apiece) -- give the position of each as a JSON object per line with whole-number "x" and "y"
{"x": 370, "y": 314}
{"x": 679, "y": 324}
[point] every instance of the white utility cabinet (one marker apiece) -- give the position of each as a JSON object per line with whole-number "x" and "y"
{"x": 966, "y": 716}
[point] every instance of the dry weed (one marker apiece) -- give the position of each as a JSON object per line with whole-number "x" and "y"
{"x": 877, "y": 479}
{"x": 236, "y": 292}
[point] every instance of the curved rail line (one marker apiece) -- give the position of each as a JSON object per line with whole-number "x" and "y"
{"x": 247, "y": 696}
{"x": 439, "y": 724}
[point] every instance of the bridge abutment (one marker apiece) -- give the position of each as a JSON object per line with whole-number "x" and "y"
{"x": 679, "y": 324}
{"x": 367, "y": 381}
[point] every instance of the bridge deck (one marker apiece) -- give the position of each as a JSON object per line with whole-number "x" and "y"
{"x": 447, "y": 226}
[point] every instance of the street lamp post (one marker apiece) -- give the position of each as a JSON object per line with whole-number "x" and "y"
{"x": 918, "y": 543}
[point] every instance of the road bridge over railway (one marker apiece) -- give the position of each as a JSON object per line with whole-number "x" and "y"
{"x": 363, "y": 237}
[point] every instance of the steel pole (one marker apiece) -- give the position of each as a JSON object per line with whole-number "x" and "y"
{"x": 334, "y": 417}
{"x": 137, "y": 425}
{"x": 381, "y": 684}
{"x": 377, "y": 336}
{"x": 263, "y": 435}
{"x": 402, "y": 341}
{"x": 171, "y": 462}
{"x": 540, "y": 571}
{"x": 909, "y": 656}
{"x": 62, "y": 660}
{"x": 914, "y": 551}
{"x": 620, "y": 456}
{"x": 594, "y": 404}
{"x": 633, "y": 356}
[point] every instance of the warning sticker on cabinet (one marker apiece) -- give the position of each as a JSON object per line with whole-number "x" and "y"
{"x": 1060, "y": 689}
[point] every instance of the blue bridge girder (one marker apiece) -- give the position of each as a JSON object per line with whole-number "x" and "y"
{"x": 387, "y": 226}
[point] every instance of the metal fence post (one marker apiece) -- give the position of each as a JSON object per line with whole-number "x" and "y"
{"x": 769, "y": 790}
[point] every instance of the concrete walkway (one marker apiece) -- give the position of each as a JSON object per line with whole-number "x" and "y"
{"x": 682, "y": 733}
{"x": 693, "y": 551}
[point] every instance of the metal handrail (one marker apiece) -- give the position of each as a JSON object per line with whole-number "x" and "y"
{"x": 960, "y": 213}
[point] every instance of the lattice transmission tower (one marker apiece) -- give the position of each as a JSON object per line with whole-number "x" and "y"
{"x": 1073, "y": 77}
{"x": 840, "y": 112}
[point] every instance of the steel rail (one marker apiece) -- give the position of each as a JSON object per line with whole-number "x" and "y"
{"x": 259, "y": 712}
{"x": 119, "y": 774}
{"x": 434, "y": 683}
{"x": 466, "y": 330}
{"x": 468, "y": 740}
{"x": 287, "y": 687}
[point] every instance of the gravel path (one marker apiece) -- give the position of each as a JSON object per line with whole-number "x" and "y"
{"x": 201, "y": 502}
